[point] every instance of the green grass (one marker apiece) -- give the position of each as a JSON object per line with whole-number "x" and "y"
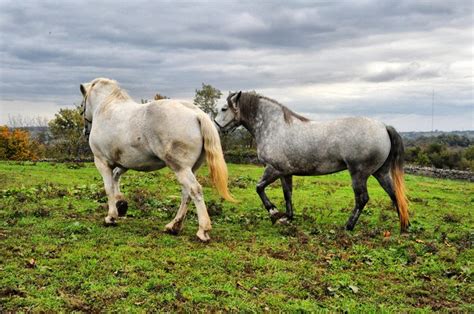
{"x": 56, "y": 255}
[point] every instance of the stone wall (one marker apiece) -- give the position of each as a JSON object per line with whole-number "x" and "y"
{"x": 440, "y": 173}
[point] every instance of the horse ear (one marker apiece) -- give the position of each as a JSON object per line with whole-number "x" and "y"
{"x": 238, "y": 96}
{"x": 83, "y": 90}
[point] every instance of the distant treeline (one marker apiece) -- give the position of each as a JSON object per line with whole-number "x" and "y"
{"x": 416, "y": 135}
{"x": 447, "y": 150}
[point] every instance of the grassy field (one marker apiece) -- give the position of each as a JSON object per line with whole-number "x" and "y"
{"x": 56, "y": 255}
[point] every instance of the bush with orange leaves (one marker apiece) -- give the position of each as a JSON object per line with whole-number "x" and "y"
{"x": 16, "y": 145}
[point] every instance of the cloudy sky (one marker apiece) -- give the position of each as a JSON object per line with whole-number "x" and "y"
{"x": 324, "y": 59}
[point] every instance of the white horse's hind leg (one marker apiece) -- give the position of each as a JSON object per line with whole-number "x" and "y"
{"x": 116, "y": 173}
{"x": 175, "y": 226}
{"x": 194, "y": 190}
{"x": 121, "y": 204}
{"x": 106, "y": 173}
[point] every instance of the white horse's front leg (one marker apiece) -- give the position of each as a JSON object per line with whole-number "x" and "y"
{"x": 194, "y": 190}
{"x": 106, "y": 173}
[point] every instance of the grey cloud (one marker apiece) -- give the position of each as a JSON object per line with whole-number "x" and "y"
{"x": 47, "y": 48}
{"x": 391, "y": 106}
{"x": 409, "y": 71}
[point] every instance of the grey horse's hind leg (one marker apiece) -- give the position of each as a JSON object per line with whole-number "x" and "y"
{"x": 359, "y": 185}
{"x": 287, "y": 185}
{"x": 269, "y": 176}
{"x": 385, "y": 180}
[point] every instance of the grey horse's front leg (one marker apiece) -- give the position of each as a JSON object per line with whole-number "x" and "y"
{"x": 269, "y": 176}
{"x": 287, "y": 185}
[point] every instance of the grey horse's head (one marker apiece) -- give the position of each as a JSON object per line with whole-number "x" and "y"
{"x": 228, "y": 117}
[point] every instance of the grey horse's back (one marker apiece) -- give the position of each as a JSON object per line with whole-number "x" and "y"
{"x": 320, "y": 147}
{"x": 362, "y": 142}
{"x": 357, "y": 135}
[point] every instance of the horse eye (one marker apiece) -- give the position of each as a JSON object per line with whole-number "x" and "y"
{"x": 224, "y": 109}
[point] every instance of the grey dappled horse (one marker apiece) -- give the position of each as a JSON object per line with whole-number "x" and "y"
{"x": 126, "y": 135}
{"x": 289, "y": 144}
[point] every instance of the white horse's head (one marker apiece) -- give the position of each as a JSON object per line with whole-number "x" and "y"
{"x": 94, "y": 93}
{"x": 228, "y": 117}
{"x": 86, "y": 112}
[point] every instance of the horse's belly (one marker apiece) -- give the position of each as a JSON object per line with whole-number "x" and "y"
{"x": 319, "y": 167}
{"x": 141, "y": 162}
{"x": 148, "y": 166}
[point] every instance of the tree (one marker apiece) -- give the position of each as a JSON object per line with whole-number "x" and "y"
{"x": 16, "y": 144}
{"x": 469, "y": 153}
{"x": 206, "y": 98}
{"x": 66, "y": 131}
{"x": 158, "y": 96}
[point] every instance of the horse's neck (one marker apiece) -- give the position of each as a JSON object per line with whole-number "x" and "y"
{"x": 101, "y": 97}
{"x": 267, "y": 121}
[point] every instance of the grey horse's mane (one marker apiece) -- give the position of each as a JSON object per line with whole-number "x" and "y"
{"x": 249, "y": 102}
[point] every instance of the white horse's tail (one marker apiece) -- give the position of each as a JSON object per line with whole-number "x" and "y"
{"x": 214, "y": 156}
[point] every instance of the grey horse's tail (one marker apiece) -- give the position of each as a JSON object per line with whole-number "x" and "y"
{"x": 396, "y": 169}
{"x": 214, "y": 156}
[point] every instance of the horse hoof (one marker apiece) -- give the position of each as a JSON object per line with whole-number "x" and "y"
{"x": 349, "y": 227}
{"x": 283, "y": 221}
{"x": 110, "y": 221}
{"x": 203, "y": 236}
{"x": 122, "y": 207}
{"x": 277, "y": 216}
{"x": 171, "y": 229}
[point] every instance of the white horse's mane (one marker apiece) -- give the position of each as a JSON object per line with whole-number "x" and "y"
{"x": 117, "y": 93}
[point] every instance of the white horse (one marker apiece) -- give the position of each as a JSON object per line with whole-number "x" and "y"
{"x": 126, "y": 135}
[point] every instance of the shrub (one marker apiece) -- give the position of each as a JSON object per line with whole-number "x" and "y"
{"x": 17, "y": 145}
{"x": 66, "y": 128}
